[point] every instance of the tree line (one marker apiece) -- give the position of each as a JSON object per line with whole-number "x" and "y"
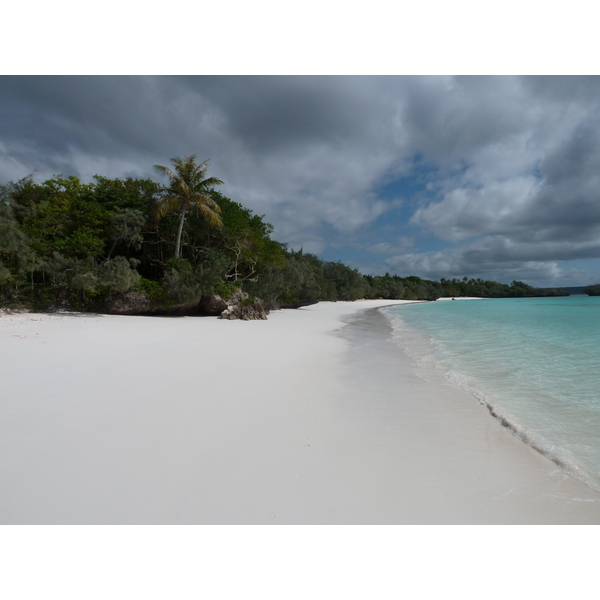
{"x": 592, "y": 290}
{"x": 65, "y": 244}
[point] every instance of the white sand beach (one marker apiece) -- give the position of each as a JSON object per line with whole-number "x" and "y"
{"x": 310, "y": 417}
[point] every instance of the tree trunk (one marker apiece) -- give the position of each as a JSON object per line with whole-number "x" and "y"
{"x": 178, "y": 240}
{"x": 111, "y": 249}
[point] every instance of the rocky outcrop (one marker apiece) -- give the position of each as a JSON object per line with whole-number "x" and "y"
{"x": 138, "y": 303}
{"x": 130, "y": 303}
{"x": 212, "y": 305}
{"x": 242, "y": 307}
{"x": 246, "y": 312}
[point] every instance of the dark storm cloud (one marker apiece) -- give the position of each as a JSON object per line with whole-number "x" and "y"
{"x": 267, "y": 113}
{"x": 97, "y": 116}
{"x": 103, "y": 115}
{"x": 511, "y": 164}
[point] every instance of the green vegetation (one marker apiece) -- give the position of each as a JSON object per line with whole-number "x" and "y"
{"x": 590, "y": 290}
{"x": 157, "y": 248}
{"x": 187, "y": 189}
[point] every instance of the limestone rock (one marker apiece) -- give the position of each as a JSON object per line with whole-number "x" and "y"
{"x": 130, "y": 303}
{"x": 241, "y": 307}
{"x": 212, "y": 305}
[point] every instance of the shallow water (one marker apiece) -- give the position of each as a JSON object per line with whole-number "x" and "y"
{"x": 533, "y": 361}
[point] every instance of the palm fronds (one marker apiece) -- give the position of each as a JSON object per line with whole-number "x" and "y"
{"x": 165, "y": 205}
{"x": 208, "y": 209}
{"x": 187, "y": 188}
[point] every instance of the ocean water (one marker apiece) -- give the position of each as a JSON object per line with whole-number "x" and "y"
{"x": 534, "y": 362}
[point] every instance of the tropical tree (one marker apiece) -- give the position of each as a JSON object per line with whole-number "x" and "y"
{"x": 188, "y": 187}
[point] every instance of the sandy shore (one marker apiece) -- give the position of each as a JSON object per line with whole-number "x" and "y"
{"x": 310, "y": 417}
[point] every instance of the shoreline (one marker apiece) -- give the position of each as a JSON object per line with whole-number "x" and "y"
{"x": 311, "y": 417}
{"x": 454, "y": 368}
{"x": 455, "y": 449}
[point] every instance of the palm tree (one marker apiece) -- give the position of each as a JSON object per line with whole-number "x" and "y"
{"x": 187, "y": 189}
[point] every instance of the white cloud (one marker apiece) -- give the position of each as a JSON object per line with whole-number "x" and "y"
{"x": 402, "y": 244}
{"x": 496, "y": 207}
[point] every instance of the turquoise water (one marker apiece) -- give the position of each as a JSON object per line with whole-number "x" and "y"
{"x": 535, "y": 362}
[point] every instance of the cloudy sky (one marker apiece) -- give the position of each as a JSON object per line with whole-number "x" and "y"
{"x": 495, "y": 177}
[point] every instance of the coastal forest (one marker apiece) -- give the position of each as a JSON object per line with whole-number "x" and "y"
{"x": 592, "y": 290}
{"x": 139, "y": 246}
